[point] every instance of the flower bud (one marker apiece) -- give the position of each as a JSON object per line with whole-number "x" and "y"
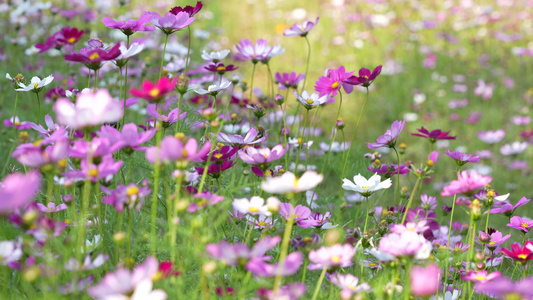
{"x": 340, "y": 124}
{"x": 24, "y": 137}
{"x": 209, "y": 267}
{"x": 332, "y": 237}
{"x": 402, "y": 147}
{"x": 31, "y": 274}
{"x": 479, "y": 256}
{"x": 480, "y": 265}
{"x": 119, "y": 237}
{"x": 279, "y": 99}
{"x": 273, "y": 204}
{"x": 484, "y": 237}
{"x": 183, "y": 84}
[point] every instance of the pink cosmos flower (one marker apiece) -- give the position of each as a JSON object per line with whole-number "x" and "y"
{"x": 52, "y": 127}
{"x": 491, "y": 136}
{"x": 93, "y": 58}
{"x": 256, "y": 53}
{"x": 349, "y": 285}
{"x": 202, "y": 200}
{"x": 508, "y": 209}
{"x": 98, "y": 147}
{"x": 41, "y": 155}
{"x": 90, "y": 109}
{"x": 331, "y": 83}
{"x": 425, "y": 280}
{"x": 107, "y": 167}
{"x": 484, "y": 90}
{"x": 300, "y": 29}
{"x": 406, "y": 243}
{"x": 390, "y": 136}
{"x": 237, "y": 140}
{"x": 300, "y": 213}
{"x": 520, "y": 223}
{"x": 289, "y": 80}
{"x": 467, "y": 183}
{"x": 240, "y": 254}
{"x": 17, "y": 189}
{"x": 51, "y": 207}
{"x": 170, "y": 22}
{"x": 130, "y": 26}
{"x": 291, "y": 291}
{"x": 18, "y": 124}
{"x": 480, "y": 276}
{"x": 154, "y": 92}
{"x": 132, "y": 196}
{"x": 124, "y": 283}
{"x": 419, "y": 227}
{"x": 172, "y": 150}
{"x": 128, "y": 138}
{"x": 462, "y": 158}
{"x": 251, "y": 155}
{"x": 67, "y": 36}
{"x": 433, "y": 135}
{"x": 331, "y": 257}
{"x": 259, "y": 267}
{"x": 167, "y": 120}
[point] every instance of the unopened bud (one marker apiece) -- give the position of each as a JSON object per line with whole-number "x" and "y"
{"x": 332, "y": 237}
{"x": 209, "y": 267}
{"x": 279, "y": 99}
{"x": 183, "y": 84}
{"x": 340, "y": 124}
{"x": 273, "y": 204}
{"x": 119, "y": 237}
{"x": 480, "y": 265}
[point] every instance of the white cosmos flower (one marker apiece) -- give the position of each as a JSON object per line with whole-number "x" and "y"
{"x": 310, "y": 101}
{"x": 213, "y": 89}
{"x": 254, "y": 206}
{"x": 10, "y": 251}
{"x": 366, "y": 187}
{"x": 36, "y": 84}
{"x": 502, "y": 197}
{"x": 289, "y": 183}
{"x": 133, "y": 50}
{"x": 514, "y": 148}
{"x": 215, "y": 56}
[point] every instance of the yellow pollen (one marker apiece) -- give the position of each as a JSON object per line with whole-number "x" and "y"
{"x": 17, "y": 123}
{"x": 157, "y": 276}
{"x": 430, "y": 163}
{"x": 94, "y": 56}
{"x": 268, "y": 173}
{"x": 286, "y": 82}
{"x": 261, "y": 223}
{"x": 36, "y": 85}
{"x": 218, "y": 155}
{"x": 522, "y": 256}
{"x": 411, "y": 229}
{"x": 335, "y": 85}
{"x": 67, "y": 221}
{"x": 336, "y": 259}
{"x": 165, "y": 119}
{"x": 309, "y": 101}
{"x": 62, "y": 163}
{"x": 479, "y": 277}
{"x": 351, "y": 287}
{"x": 490, "y": 193}
{"x": 72, "y": 40}
{"x": 154, "y": 92}
{"x": 525, "y": 225}
{"x": 202, "y": 202}
{"x": 253, "y": 209}
{"x": 372, "y": 264}
{"x": 37, "y": 143}
{"x": 492, "y": 243}
{"x": 132, "y": 190}
{"x": 265, "y": 155}
{"x": 93, "y": 172}
{"x": 221, "y": 68}
{"x": 365, "y": 187}
{"x": 184, "y": 153}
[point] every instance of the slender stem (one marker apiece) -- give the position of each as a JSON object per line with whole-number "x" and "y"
{"x": 155, "y": 191}
{"x": 413, "y": 192}
{"x": 270, "y": 80}
{"x": 125, "y": 88}
{"x": 89, "y": 81}
{"x": 252, "y": 85}
{"x": 319, "y": 283}
{"x": 180, "y": 100}
{"x": 15, "y": 115}
{"x": 130, "y": 226}
{"x": 283, "y": 252}
{"x": 366, "y": 218}
{"x": 300, "y": 146}
{"x": 398, "y": 178}
{"x": 448, "y": 244}
{"x": 188, "y": 52}
{"x": 308, "y": 59}
{"x": 173, "y": 225}
{"x": 307, "y": 140}
{"x": 163, "y": 57}
{"x": 82, "y": 221}
{"x": 39, "y": 109}
{"x": 351, "y": 142}
{"x": 333, "y": 139}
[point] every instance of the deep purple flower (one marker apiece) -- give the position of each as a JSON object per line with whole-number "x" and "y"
{"x": 17, "y": 189}
{"x": 389, "y": 138}
{"x": 67, "y": 36}
{"x": 93, "y": 58}
{"x": 365, "y": 78}
{"x": 191, "y": 11}
{"x": 220, "y": 68}
{"x": 388, "y": 170}
{"x": 214, "y": 170}
{"x": 129, "y": 27}
{"x": 434, "y": 135}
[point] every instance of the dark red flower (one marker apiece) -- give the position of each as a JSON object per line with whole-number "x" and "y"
{"x": 220, "y": 68}
{"x": 365, "y": 77}
{"x": 521, "y": 255}
{"x": 166, "y": 270}
{"x": 434, "y": 134}
{"x": 66, "y": 36}
{"x": 214, "y": 170}
{"x": 188, "y": 9}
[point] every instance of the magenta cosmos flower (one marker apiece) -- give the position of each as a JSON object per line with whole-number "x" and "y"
{"x": 170, "y": 22}
{"x": 172, "y": 150}
{"x": 154, "y": 92}
{"x": 365, "y": 78}
{"x": 331, "y": 83}
{"x": 129, "y": 27}
{"x": 191, "y": 11}
{"x": 425, "y": 280}
{"x": 167, "y": 120}
{"x": 262, "y": 156}
{"x": 131, "y": 196}
{"x": 66, "y": 36}
{"x": 300, "y": 213}
{"x": 405, "y": 244}
{"x": 518, "y": 253}
{"x": 467, "y": 183}
{"x": 433, "y": 135}
{"x": 503, "y": 288}
{"x": 42, "y": 155}
{"x": 17, "y": 123}
{"x": 93, "y": 58}
{"x": 203, "y": 200}
{"x": 331, "y": 257}
{"x": 492, "y": 238}
{"x": 389, "y": 138}
{"x": 256, "y": 53}
{"x": 17, "y": 189}
{"x": 237, "y": 140}
{"x": 90, "y": 109}
{"x": 461, "y": 158}
{"x": 129, "y": 138}
{"x": 300, "y": 29}
{"x": 520, "y": 224}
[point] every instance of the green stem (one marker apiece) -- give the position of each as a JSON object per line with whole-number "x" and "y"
{"x": 398, "y": 178}
{"x": 448, "y": 244}
{"x": 155, "y": 191}
{"x": 125, "y": 87}
{"x": 130, "y": 226}
{"x": 180, "y": 100}
{"x": 188, "y": 52}
{"x": 15, "y": 115}
{"x": 319, "y": 284}
{"x": 283, "y": 253}
{"x": 163, "y": 57}
{"x": 39, "y": 109}
{"x": 308, "y": 59}
{"x": 252, "y": 86}
{"x": 366, "y": 218}
{"x": 413, "y": 192}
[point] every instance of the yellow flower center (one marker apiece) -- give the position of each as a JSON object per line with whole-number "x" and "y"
{"x": 37, "y": 143}
{"x": 221, "y": 68}
{"x": 218, "y": 155}
{"x": 492, "y": 243}
{"x": 17, "y": 123}
{"x": 94, "y": 56}
{"x": 184, "y": 153}
{"x": 62, "y": 163}
{"x": 336, "y": 259}
{"x": 365, "y": 187}
{"x": 202, "y": 202}
{"x": 253, "y": 209}
{"x": 261, "y": 223}
{"x": 36, "y": 85}
{"x": 93, "y": 172}
{"x": 351, "y": 287}
{"x": 132, "y": 190}
{"x": 72, "y": 40}
{"x": 154, "y": 92}
{"x": 67, "y": 221}
{"x": 430, "y": 163}
{"x": 522, "y": 256}
{"x": 525, "y": 225}
{"x": 335, "y": 85}
{"x": 309, "y": 101}
{"x": 479, "y": 277}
